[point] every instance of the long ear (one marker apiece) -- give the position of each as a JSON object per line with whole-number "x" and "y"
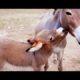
{"x": 36, "y": 47}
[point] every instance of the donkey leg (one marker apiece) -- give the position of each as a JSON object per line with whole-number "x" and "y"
{"x": 60, "y": 58}
{"x": 46, "y": 66}
{"x": 35, "y": 66}
{"x": 55, "y": 58}
{"x": 1, "y": 63}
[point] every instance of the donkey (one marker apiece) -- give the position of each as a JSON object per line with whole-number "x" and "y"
{"x": 70, "y": 20}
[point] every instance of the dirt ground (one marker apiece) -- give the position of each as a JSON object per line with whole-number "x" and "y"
{"x": 19, "y": 24}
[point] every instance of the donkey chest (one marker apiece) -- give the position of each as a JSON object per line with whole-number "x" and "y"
{"x": 57, "y": 49}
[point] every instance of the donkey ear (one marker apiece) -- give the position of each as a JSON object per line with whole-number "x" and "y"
{"x": 35, "y": 47}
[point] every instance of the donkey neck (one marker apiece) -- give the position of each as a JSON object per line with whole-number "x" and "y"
{"x": 46, "y": 49}
{"x": 51, "y": 21}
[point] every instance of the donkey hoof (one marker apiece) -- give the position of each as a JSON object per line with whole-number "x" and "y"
{"x": 60, "y": 69}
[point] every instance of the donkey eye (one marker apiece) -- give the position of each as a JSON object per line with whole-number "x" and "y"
{"x": 51, "y": 38}
{"x": 68, "y": 13}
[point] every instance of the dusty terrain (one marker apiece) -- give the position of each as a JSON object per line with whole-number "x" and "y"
{"x": 20, "y": 25}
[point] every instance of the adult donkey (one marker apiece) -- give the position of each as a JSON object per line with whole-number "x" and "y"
{"x": 70, "y": 20}
{"x": 67, "y": 18}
